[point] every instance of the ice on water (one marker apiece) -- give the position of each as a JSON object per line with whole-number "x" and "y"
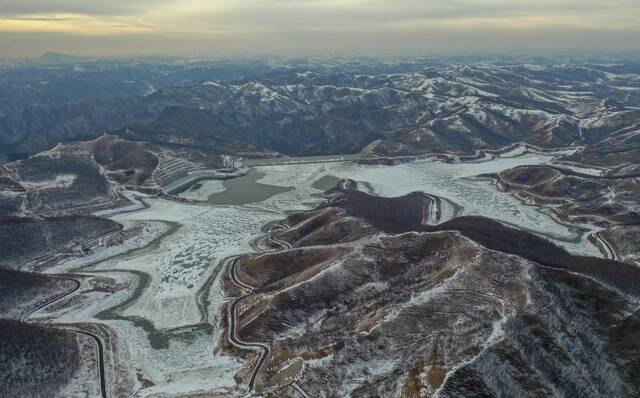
{"x": 182, "y": 262}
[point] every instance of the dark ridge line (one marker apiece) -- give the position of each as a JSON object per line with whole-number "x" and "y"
{"x": 496, "y": 236}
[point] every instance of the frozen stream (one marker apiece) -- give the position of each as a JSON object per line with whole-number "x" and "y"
{"x": 169, "y": 325}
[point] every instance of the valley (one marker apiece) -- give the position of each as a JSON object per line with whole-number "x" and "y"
{"x": 166, "y": 300}
{"x": 301, "y": 229}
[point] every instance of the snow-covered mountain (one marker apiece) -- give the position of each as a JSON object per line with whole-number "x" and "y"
{"x": 457, "y": 108}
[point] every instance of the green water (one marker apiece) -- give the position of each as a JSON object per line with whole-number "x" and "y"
{"x": 325, "y": 183}
{"x": 245, "y": 190}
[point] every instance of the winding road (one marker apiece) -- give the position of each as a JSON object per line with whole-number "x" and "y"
{"x": 55, "y": 298}
{"x": 101, "y": 367}
{"x": 279, "y": 227}
{"x": 283, "y": 244}
{"x": 606, "y": 245}
{"x": 233, "y": 336}
{"x": 96, "y": 338}
{"x": 70, "y": 248}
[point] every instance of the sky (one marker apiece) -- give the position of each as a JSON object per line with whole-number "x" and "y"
{"x": 314, "y": 27}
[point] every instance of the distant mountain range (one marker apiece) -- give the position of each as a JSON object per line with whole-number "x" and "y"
{"x": 453, "y": 108}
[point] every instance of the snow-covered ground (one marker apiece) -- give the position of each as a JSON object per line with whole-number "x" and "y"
{"x": 583, "y": 169}
{"x": 451, "y": 181}
{"x": 195, "y": 238}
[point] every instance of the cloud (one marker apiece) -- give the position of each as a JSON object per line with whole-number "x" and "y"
{"x": 308, "y": 26}
{"x": 85, "y": 7}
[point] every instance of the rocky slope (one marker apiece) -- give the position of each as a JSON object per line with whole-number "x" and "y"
{"x": 83, "y": 177}
{"x": 52, "y": 183}
{"x": 625, "y": 242}
{"x": 35, "y": 361}
{"x": 51, "y": 355}
{"x": 144, "y": 166}
{"x": 24, "y": 241}
{"x": 599, "y": 185}
{"x": 21, "y": 291}
{"x": 369, "y": 304}
{"x": 578, "y": 197}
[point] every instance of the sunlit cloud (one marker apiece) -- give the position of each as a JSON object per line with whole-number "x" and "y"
{"x": 307, "y": 25}
{"x": 73, "y": 24}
